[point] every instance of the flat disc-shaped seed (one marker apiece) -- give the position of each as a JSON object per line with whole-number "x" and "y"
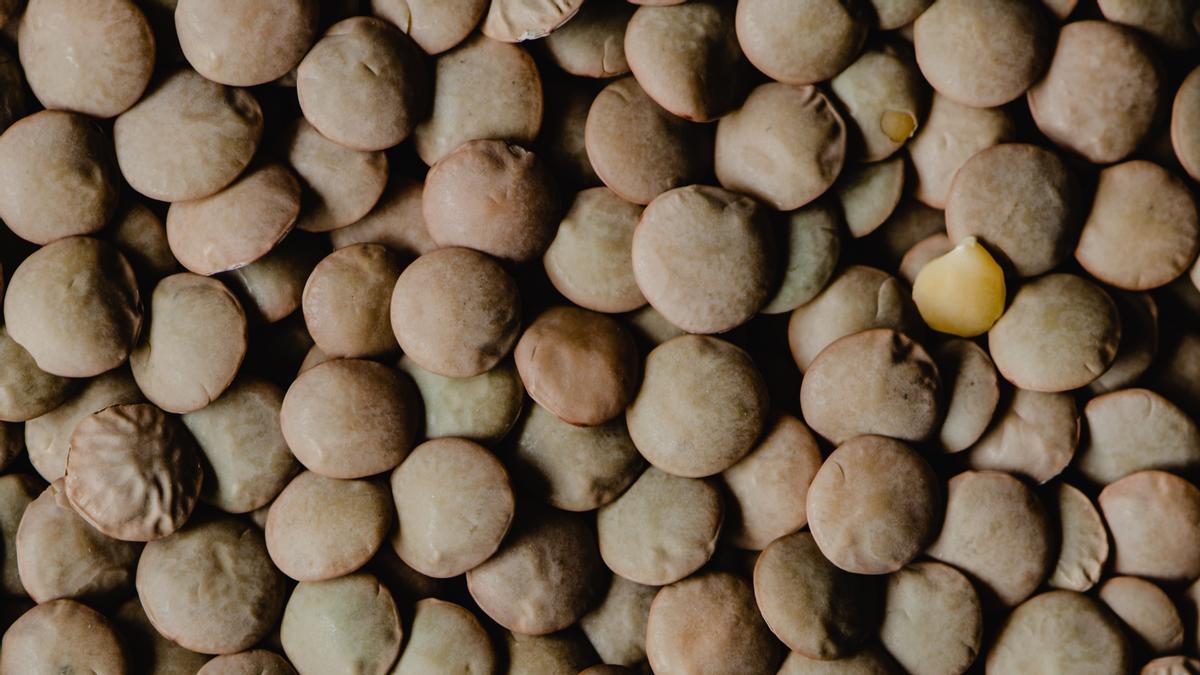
{"x": 651, "y": 327}
{"x": 1034, "y": 435}
{"x": 133, "y": 472}
{"x": 834, "y": 33}
{"x": 481, "y": 408}
{"x": 17, "y": 492}
{"x": 962, "y": 291}
{"x": 74, "y": 306}
{"x": 1101, "y": 93}
{"x": 396, "y": 222}
{"x": 1021, "y": 201}
{"x": 1147, "y": 611}
{"x": 1184, "y": 112}
{"x": 952, "y": 134}
{"x": 869, "y": 193}
{"x": 972, "y": 392}
{"x": 350, "y": 418}
{"x": 983, "y": 72}
{"x": 61, "y": 556}
{"x": 701, "y": 406}
{"x": 1083, "y": 539}
{"x": 57, "y": 177}
{"x": 1139, "y": 342}
{"x": 62, "y": 636}
{"x": 456, "y": 312}
{"x": 271, "y": 286}
{"x": 27, "y": 392}
{"x": 921, "y": 254}
{"x": 1171, "y": 22}
{"x": 245, "y": 417}
{"x": 1143, "y": 231}
{"x": 590, "y": 260}
{"x": 435, "y": 25}
{"x": 148, "y": 649}
{"x": 1060, "y": 332}
{"x": 873, "y": 505}
{"x": 239, "y": 224}
{"x": 979, "y": 504}
{"x": 1132, "y": 430}
{"x": 786, "y": 145}
{"x": 187, "y": 137}
{"x": 493, "y": 197}
{"x": 592, "y": 43}
{"x": 341, "y": 185}
{"x": 520, "y": 20}
{"x": 1154, "y": 518}
{"x": 252, "y": 662}
{"x": 454, "y": 505}
{"x": 808, "y": 245}
{"x": 1061, "y": 9}
{"x": 403, "y": 580}
{"x": 1060, "y": 632}
{"x": 243, "y": 43}
{"x": 709, "y": 621}
{"x": 547, "y": 574}
{"x": 871, "y": 660}
{"x": 857, "y": 299}
{"x": 815, "y": 608}
{"x": 445, "y": 637}
{"x": 1172, "y": 665}
{"x": 141, "y": 236}
{"x": 564, "y": 652}
{"x": 769, "y": 486}
{"x": 893, "y": 14}
{"x": 194, "y": 344}
{"x": 876, "y": 381}
{"x": 639, "y": 149}
{"x": 363, "y": 84}
{"x": 571, "y": 467}
{"x": 885, "y": 99}
{"x": 321, "y": 528}
{"x": 687, "y": 58}
{"x": 933, "y": 621}
{"x": 616, "y": 627}
{"x": 211, "y": 587}
{"x": 91, "y": 56}
{"x": 704, "y": 257}
{"x": 347, "y": 299}
{"x": 47, "y": 437}
{"x": 580, "y": 365}
{"x": 344, "y": 624}
{"x": 661, "y": 529}
{"x": 481, "y": 89}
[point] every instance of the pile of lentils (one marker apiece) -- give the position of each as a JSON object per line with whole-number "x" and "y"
{"x": 594, "y": 337}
